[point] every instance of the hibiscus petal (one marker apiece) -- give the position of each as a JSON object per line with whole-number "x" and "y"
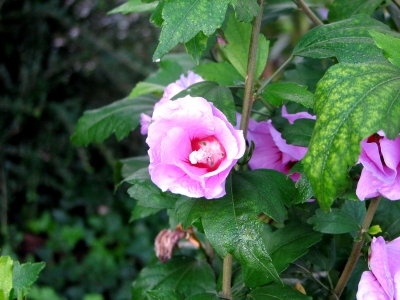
{"x": 379, "y": 265}
{"x": 393, "y": 254}
{"x": 295, "y": 152}
{"x": 369, "y": 288}
{"x": 173, "y": 178}
{"x": 391, "y": 153}
{"x": 293, "y": 117}
{"x": 370, "y": 157}
{"x": 144, "y": 123}
{"x": 391, "y": 190}
{"x": 266, "y": 154}
{"x": 368, "y": 185}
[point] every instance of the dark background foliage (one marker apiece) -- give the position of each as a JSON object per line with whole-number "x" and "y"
{"x": 58, "y": 59}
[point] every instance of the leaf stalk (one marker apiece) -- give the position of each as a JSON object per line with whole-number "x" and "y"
{"x": 266, "y": 81}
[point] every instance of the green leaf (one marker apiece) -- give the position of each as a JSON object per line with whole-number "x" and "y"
{"x": 323, "y": 254}
{"x": 351, "y": 102}
{"x": 374, "y": 230}
{"x": 307, "y": 73}
{"x": 196, "y": 46}
{"x": 188, "y": 210}
{"x": 119, "y": 117}
{"x": 204, "y": 296}
{"x": 147, "y": 193}
{"x": 277, "y": 8}
{"x": 343, "y": 9}
{"x": 156, "y": 18}
{"x": 164, "y": 295}
{"x": 276, "y": 292}
{"x": 269, "y": 189}
{"x": 277, "y": 93}
{"x": 25, "y": 275}
{"x": 133, "y": 6}
{"x": 238, "y": 36}
{"x": 221, "y": 96}
{"x": 356, "y": 209}
{"x": 237, "y": 217}
{"x": 335, "y": 222}
{"x": 170, "y": 69}
{"x": 266, "y": 191}
{"x": 245, "y": 10}
{"x": 347, "y": 40}
{"x": 133, "y": 164}
{"x": 299, "y": 133}
{"x": 183, "y": 20}
{"x": 223, "y": 73}
{"x": 294, "y": 240}
{"x": 304, "y": 190}
{"x": 388, "y": 217}
{"x": 249, "y": 249}
{"x": 184, "y": 274}
{"x": 143, "y": 88}
{"x": 140, "y": 212}
{"x": 389, "y": 44}
{"x": 6, "y": 277}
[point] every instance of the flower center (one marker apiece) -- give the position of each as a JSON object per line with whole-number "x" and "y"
{"x": 207, "y": 153}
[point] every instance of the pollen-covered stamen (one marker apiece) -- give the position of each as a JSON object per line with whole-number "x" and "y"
{"x": 207, "y": 153}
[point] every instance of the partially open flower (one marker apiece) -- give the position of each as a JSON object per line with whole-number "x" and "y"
{"x": 381, "y": 173}
{"x": 383, "y": 281}
{"x": 192, "y": 148}
{"x": 170, "y": 91}
{"x": 271, "y": 150}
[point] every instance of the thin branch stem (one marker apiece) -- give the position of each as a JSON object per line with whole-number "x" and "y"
{"x": 251, "y": 66}
{"x": 227, "y": 277}
{"x": 309, "y": 12}
{"x": 266, "y": 81}
{"x": 246, "y": 110}
{"x": 312, "y": 276}
{"x": 397, "y": 3}
{"x": 356, "y": 251}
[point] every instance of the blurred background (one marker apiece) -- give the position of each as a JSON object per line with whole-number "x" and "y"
{"x": 59, "y": 58}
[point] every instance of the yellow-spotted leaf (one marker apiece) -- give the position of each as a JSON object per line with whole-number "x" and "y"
{"x": 347, "y": 40}
{"x": 352, "y": 101}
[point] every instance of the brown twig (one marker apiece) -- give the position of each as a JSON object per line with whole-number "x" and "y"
{"x": 251, "y": 66}
{"x": 308, "y": 12}
{"x": 246, "y": 110}
{"x": 356, "y": 251}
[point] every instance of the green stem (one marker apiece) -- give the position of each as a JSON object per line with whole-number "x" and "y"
{"x": 227, "y": 277}
{"x": 266, "y": 81}
{"x": 251, "y": 66}
{"x": 20, "y": 295}
{"x": 309, "y": 12}
{"x": 356, "y": 251}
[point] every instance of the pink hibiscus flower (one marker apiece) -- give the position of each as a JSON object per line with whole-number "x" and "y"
{"x": 170, "y": 91}
{"x": 192, "y": 148}
{"x": 381, "y": 173}
{"x": 383, "y": 281}
{"x": 271, "y": 150}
